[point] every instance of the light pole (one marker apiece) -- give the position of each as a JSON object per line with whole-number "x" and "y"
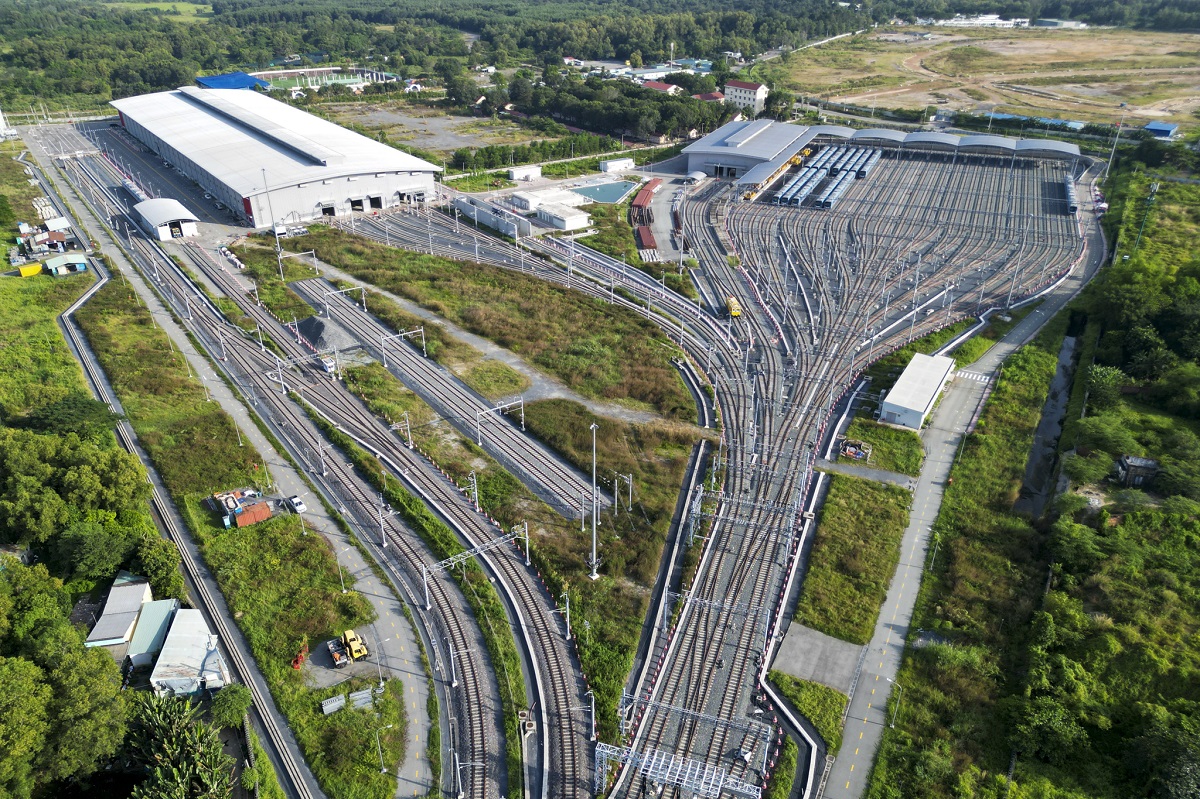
{"x": 1017, "y": 271}
{"x": 379, "y": 748}
{"x": 592, "y": 697}
{"x": 1116, "y": 139}
{"x": 899, "y": 694}
{"x": 595, "y": 563}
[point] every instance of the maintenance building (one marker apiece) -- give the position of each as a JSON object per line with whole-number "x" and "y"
{"x": 269, "y": 162}
{"x": 152, "y": 625}
{"x": 189, "y": 661}
{"x": 165, "y": 219}
{"x": 917, "y": 390}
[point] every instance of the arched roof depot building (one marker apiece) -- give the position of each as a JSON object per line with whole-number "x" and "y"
{"x": 756, "y": 152}
{"x": 270, "y": 162}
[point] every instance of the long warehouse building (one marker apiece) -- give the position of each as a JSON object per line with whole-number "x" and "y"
{"x": 270, "y": 162}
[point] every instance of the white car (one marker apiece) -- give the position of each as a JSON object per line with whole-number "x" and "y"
{"x": 297, "y": 504}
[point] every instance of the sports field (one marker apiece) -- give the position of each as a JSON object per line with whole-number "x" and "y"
{"x": 1068, "y": 74}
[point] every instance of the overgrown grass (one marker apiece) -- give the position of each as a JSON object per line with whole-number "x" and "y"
{"x": 784, "y": 775}
{"x": 977, "y": 597}
{"x": 281, "y": 586}
{"x": 891, "y": 448}
{"x": 36, "y": 365}
{"x": 820, "y": 704}
{"x": 262, "y": 268}
{"x": 854, "y": 555}
{"x": 494, "y": 379}
{"x": 886, "y": 370}
{"x": 482, "y": 181}
{"x": 997, "y": 327}
{"x": 595, "y": 348}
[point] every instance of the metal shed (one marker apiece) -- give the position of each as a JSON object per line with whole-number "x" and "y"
{"x": 166, "y": 219}
{"x": 190, "y": 661}
{"x": 914, "y": 395}
{"x": 121, "y": 609}
{"x": 152, "y": 626}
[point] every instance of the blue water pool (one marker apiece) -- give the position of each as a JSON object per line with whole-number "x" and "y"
{"x": 607, "y": 192}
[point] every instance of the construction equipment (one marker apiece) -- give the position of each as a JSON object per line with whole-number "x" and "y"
{"x": 355, "y": 647}
{"x": 298, "y": 661}
{"x": 338, "y": 653}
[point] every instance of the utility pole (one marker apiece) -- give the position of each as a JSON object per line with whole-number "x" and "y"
{"x": 595, "y": 562}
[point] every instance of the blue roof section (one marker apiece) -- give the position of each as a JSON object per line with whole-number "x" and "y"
{"x": 231, "y": 80}
{"x": 1162, "y": 127}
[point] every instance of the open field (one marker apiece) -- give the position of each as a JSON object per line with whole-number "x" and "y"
{"x": 1083, "y": 75}
{"x": 36, "y": 367}
{"x": 430, "y": 129}
{"x": 855, "y": 551}
{"x": 183, "y": 11}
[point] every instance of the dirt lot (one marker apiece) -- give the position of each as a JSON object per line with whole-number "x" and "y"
{"x": 1083, "y": 75}
{"x": 431, "y": 129}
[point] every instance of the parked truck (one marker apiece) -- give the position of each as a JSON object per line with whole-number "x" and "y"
{"x": 338, "y": 653}
{"x": 354, "y": 645}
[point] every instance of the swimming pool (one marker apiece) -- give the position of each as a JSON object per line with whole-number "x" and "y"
{"x": 607, "y": 192}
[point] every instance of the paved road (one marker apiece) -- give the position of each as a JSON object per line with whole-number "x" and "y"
{"x": 866, "y": 472}
{"x": 396, "y": 648}
{"x": 866, "y": 718}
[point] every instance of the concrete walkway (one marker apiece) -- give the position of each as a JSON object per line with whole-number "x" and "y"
{"x": 396, "y": 648}
{"x": 867, "y": 714}
{"x": 867, "y": 473}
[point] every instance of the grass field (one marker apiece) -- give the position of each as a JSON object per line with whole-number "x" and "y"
{"x": 282, "y": 587}
{"x": 820, "y": 704}
{"x": 183, "y": 11}
{"x": 608, "y": 353}
{"x": 1082, "y": 75}
{"x": 481, "y": 181}
{"x": 36, "y": 366}
{"x": 854, "y": 554}
{"x": 892, "y": 449}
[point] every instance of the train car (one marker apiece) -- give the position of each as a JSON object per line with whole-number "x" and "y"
{"x": 733, "y": 306}
{"x": 1072, "y": 202}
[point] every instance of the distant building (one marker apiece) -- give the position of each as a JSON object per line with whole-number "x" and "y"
{"x": 616, "y": 165}
{"x": 524, "y": 172}
{"x": 1162, "y": 130}
{"x": 744, "y": 94}
{"x": 914, "y": 394}
{"x": 1067, "y": 24}
{"x": 1134, "y": 472}
{"x": 190, "y": 661}
{"x": 983, "y": 21}
{"x": 710, "y": 97}
{"x": 532, "y": 200}
{"x": 666, "y": 88}
{"x": 231, "y": 80}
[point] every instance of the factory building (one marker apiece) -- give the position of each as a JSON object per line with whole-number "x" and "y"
{"x": 270, "y": 162}
{"x": 915, "y": 393}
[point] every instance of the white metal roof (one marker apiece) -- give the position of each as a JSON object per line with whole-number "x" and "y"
{"x": 120, "y": 614}
{"x": 152, "y": 626}
{"x": 886, "y": 134}
{"x": 761, "y": 139}
{"x": 920, "y": 383}
{"x": 235, "y": 134}
{"x": 163, "y": 211}
{"x": 564, "y": 212}
{"x": 987, "y": 140}
{"x": 189, "y": 654}
{"x": 1048, "y": 146}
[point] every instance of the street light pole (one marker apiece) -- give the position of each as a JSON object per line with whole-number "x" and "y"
{"x": 1116, "y": 139}
{"x": 379, "y": 748}
{"x": 899, "y": 694}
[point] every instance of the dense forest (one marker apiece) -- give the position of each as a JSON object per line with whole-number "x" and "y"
{"x": 87, "y": 53}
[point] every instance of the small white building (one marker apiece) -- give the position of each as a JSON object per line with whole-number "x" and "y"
{"x": 166, "y": 219}
{"x": 533, "y": 200}
{"x": 563, "y": 217}
{"x": 746, "y": 94}
{"x": 121, "y": 610}
{"x": 914, "y": 395}
{"x": 525, "y": 172}
{"x": 616, "y": 165}
{"x": 190, "y": 661}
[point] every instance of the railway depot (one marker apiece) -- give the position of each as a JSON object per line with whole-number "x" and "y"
{"x": 269, "y": 162}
